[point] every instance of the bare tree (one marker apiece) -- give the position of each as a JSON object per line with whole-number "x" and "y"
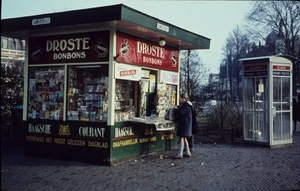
{"x": 283, "y": 18}
{"x": 236, "y": 47}
{"x": 193, "y": 76}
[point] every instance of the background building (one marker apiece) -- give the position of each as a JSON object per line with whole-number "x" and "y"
{"x": 12, "y": 51}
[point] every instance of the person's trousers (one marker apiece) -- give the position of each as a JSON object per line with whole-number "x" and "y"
{"x": 295, "y": 125}
{"x": 191, "y": 141}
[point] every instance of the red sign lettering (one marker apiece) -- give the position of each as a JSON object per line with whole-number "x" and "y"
{"x": 277, "y": 67}
{"x": 127, "y": 72}
{"x": 133, "y": 50}
{"x": 255, "y": 67}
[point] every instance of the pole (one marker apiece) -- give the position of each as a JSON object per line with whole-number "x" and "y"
{"x": 222, "y": 107}
{"x": 227, "y": 63}
{"x": 188, "y": 75}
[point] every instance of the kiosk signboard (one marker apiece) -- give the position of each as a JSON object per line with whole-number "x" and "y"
{"x": 79, "y": 47}
{"x": 72, "y": 139}
{"x": 279, "y": 70}
{"x": 256, "y": 70}
{"x": 139, "y": 51}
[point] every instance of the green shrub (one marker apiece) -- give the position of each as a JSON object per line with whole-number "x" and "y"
{"x": 11, "y": 89}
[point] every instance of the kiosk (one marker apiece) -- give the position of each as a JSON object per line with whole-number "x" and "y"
{"x": 267, "y": 100}
{"x": 98, "y": 82}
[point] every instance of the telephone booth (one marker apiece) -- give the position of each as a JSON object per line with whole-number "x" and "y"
{"x": 267, "y": 100}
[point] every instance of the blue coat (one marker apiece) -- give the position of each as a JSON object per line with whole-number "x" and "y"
{"x": 184, "y": 128}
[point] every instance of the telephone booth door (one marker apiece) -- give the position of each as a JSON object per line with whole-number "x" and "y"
{"x": 267, "y": 103}
{"x": 281, "y": 114}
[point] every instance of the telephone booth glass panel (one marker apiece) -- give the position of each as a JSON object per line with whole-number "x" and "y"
{"x": 281, "y": 108}
{"x": 255, "y": 107}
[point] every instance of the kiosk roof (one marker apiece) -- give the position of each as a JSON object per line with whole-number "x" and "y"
{"x": 274, "y": 58}
{"x": 120, "y": 17}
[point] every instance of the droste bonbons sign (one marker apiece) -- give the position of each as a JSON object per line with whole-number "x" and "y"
{"x": 134, "y": 50}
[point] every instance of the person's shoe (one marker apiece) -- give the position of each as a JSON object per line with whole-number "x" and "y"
{"x": 178, "y": 157}
{"x": 187, "y": 155}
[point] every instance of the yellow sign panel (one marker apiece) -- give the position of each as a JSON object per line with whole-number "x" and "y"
{"x": 125, "y": 142}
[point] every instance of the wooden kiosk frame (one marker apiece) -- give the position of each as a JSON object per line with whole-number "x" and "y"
{"x": 85, "y": 73}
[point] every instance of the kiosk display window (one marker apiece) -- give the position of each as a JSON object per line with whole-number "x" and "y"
{"x": 124, "y": 100}
{"x": 166, "y": 98}
{"x": 87, "y": 93}
{"x": 45, "y": 100}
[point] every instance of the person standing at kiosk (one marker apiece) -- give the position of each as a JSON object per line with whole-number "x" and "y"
{"x": 295, "y": 104}
{"x": 296, "y": 112}
{"x": 184, "y": 129}
{"x": 298, "y": 109}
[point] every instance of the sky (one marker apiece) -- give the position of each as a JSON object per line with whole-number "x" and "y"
{"x": 212, "y": 19}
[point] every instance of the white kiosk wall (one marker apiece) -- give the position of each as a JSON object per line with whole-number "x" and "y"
{"x": 267, "y": 100}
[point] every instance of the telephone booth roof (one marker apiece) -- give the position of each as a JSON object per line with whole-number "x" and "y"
{"x": 275, "y": 58}
{"x": 120, "y": 17}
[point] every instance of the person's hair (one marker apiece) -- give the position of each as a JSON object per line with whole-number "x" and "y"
{"x": 184, "y": 95}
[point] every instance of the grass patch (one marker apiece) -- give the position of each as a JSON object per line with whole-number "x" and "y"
{"x": 202, "y": 119}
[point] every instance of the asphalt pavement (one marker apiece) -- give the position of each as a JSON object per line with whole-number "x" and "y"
{"x": 211, "y": 167}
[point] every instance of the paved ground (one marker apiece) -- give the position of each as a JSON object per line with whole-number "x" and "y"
{"x": 212, "y": 167}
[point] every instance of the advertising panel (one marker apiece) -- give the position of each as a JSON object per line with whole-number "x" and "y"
{"x": 256, "y": 70}
{"x": 73, "y": 134}
{"x": 74, "y": 48}
{"x": 169, "y": 77}
{"x": 142, "y": 52}
{"x": 127, "y": 72}
{"x": 281, "y": 70}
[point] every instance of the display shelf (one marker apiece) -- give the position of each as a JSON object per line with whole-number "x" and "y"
{"x": 121, "y": 98}
{"x": 46, "y": 93}
{"x": 123, "y": 102}
{"x": 92, "y": 87}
